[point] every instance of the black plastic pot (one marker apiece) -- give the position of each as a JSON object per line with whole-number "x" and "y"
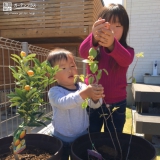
{"x": 41, "y": 141}
{"x": 140, "y": 148}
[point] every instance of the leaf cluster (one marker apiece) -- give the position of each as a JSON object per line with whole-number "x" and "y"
{"x": 96, "y": 72}
{"x": 93, "y": 65}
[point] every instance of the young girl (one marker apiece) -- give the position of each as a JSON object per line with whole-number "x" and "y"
{"x": 108, "y": 36}
{"x": 69, "y": 119}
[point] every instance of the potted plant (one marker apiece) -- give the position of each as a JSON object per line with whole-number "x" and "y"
{"x": 31, "y": 82}
{"x": 107, "y": 146}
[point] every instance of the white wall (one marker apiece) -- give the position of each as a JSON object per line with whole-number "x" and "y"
{"x": 144, "y": 34}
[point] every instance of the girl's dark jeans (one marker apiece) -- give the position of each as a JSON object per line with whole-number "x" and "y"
{"x": 97, "y": 120}
{"x": 66, "y": 151}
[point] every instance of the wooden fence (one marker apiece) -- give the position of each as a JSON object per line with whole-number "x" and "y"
{"x": 48, "y": 18}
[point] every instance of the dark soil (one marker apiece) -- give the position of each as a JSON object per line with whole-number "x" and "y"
{"x": 109, "y": 153}
{"x": 28, "y": 154}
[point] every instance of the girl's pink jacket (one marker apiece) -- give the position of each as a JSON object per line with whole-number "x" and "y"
{"x": 115, "y": 82}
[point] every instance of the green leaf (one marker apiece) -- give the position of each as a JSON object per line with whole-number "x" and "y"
{"x": 85, "y": 103}
{"x": 12, "y": 94}
{"x": 99, "y": 74}
{"x": 21, "y": 93}
{"x": 33, "y": 90}
{"x": 93, "y": 67}
{"x": 47, "y": 118}
{"x": 55, "y": 68}
{"x": 42, "y": 124}
{"x": 114, "y": 109}
{"x": 139, "y": 55}
{"x": 16, "y": 56}
{"x": 39, "y": 114}
{"x": 16, "y": 98}
{"x": 105, "y": 71}
{"x": 34, "y": 124}
{"x": 36, "y": 61}
{"x": 13, "y": 69}
{"x": 95, "y": 61}
{"x": 15, "y": 60}
{"x": 81, "y": 77}
{"x": 18, "y": 92}
{"x": 23, "y": 104}
{"x": 133, "y": 80}
{"x": 76, "y": 78}
{"x": 21, "y": 112}
{"x": 91, "y": 80}
{"x": 34, "y": 94}
{"x": 102, "y": 115}
{"x": 14, "y": 104}
{"x": 31, "y": 56}
{"x": 93, "y": 52}
{"x": 130, "y": 78}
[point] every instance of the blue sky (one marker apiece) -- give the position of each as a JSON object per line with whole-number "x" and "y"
{"x": 112, "y": 1}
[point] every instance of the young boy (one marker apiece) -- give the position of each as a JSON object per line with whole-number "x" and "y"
{"x": 70, "y": 120}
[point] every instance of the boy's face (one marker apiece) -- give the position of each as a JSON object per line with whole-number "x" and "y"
{"x": 65, "y": 77}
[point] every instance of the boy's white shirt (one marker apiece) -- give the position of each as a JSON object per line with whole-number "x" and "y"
{"x": 69, "y": 118}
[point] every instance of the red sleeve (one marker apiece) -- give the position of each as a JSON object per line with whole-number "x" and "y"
{"x": 123, "y": 56}
{"x": 85, "y": 46}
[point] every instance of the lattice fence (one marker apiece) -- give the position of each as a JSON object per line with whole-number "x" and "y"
{"x": 9, "y": 120}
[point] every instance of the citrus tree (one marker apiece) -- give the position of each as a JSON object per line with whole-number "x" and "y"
{"x": 31, "y": 82}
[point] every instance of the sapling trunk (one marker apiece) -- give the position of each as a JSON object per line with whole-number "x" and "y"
{"x": 15, "y": 155}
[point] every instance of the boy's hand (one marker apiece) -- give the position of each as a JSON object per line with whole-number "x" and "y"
{"x": 94, "y": 91}
{"x": 97, "y": 92}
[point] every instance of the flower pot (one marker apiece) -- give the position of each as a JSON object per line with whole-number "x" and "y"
{"x": 40, "y": 141}
{"x": 140, "y": 148}
{"x": 148, "y": 79}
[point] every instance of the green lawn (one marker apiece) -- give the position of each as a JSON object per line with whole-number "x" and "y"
{"x": 127, "y": 128}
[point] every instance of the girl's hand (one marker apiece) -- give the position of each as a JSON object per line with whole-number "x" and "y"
{"x": 96, "y": 29}
{"x": 106, "y": 37}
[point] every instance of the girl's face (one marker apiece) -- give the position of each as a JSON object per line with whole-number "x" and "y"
{"x": 117, "y": 29}
{"x": 65, "y": 77}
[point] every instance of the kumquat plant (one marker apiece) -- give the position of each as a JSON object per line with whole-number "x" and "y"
{"x": 31, "y": 82}
{"x": 96, "y": 73}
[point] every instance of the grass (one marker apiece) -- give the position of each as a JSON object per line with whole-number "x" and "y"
{"x": 127, "y": 128}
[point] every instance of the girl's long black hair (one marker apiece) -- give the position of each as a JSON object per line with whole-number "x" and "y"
{"x": 110, "y": 13}
{"x": 113, "y": 11}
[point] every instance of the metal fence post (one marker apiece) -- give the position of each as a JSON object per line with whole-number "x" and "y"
{"x": 25, "y": 47}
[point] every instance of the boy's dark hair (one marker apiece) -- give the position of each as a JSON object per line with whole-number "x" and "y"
{"x": 113, "y": 11}
{"x": 58, "y": 54}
